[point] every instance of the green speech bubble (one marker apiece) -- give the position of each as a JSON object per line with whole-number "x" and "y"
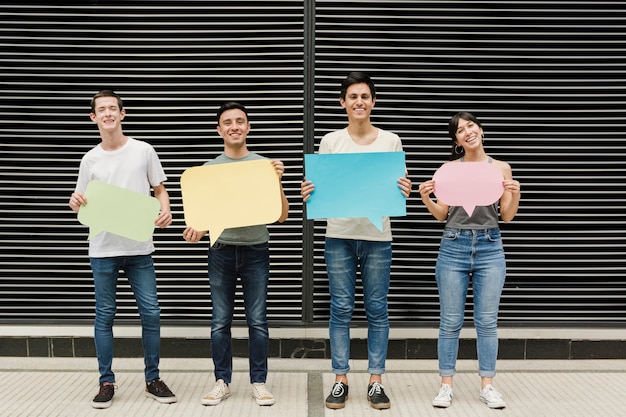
{"x": 119, "y": 211}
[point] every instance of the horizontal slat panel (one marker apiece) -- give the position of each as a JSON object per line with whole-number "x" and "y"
{"x": 173, "y": 66}
{"x": 546, "y": 79}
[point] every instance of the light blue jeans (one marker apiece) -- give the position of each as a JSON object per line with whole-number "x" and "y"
{"x": 343, "y": 257}
{"x": 227, "y": 263}
{"x": 141, "y": 276}
{"x": 465, "y": 255}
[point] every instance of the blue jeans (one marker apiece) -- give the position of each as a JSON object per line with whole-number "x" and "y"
{"x": 141, "y": 276}
{"x": 343, "y": 256}
{"x": 478, "y": 255}
{"x": 252, "y": 265}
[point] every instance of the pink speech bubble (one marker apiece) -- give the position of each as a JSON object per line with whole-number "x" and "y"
{"x": 468, "y": 184}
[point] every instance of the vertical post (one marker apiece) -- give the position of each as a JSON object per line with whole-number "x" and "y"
{"x": 309, "y": 147}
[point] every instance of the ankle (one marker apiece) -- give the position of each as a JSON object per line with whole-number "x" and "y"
{"x": 341, "y": 378}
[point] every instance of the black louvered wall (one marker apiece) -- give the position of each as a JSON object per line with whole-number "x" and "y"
{"x": 546, "y": 79}
{"x": 173, "y": 66}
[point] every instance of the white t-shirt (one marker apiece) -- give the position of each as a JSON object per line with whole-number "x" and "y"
{"x": 136, "y": 167}
{"x": 340, "y": 141}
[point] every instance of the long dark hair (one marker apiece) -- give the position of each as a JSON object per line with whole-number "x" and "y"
{"x": 453, "y": 125}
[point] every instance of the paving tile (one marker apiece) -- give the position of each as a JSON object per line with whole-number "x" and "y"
{"x": 64, "y": 387}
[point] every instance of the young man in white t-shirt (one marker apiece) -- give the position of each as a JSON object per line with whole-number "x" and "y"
{"x": 132, "y": 164}
{"x": 353, "y": 243}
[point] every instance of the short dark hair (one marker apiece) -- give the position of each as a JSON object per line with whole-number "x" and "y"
{"x": 106, "y": 93}
{"x": 356, "y": 77}
{"x": 229, "y": 106}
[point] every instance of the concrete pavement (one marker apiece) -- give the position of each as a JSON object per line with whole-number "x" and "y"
{"x": 64, "y": 387}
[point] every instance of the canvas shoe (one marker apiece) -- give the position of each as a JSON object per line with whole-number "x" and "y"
{"x": 377, "y": 397}
{"x": 104, "y": 398}
{"x": 444, "y": 397}
{"x": 219, "y": 392}
{"x": 338, "y": 396}
{"x": 159, "y": 391}
{"x": 261, "y": 394}
{"x": 491, "y": 397}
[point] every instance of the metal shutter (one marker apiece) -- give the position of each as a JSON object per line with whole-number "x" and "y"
{"x": 173, "y": 65}
{"x": 546, "y": 79}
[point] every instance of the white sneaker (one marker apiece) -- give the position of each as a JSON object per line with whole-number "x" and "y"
{"x": 444, "y": 397}
{"x": 261, "y": 394}
{"x": 219, "y": 392}
{"x": 491, "y": 397}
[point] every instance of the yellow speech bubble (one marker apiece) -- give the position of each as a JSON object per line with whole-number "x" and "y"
{"x": 222, "y": 196}
{"x": 119, "y": 211}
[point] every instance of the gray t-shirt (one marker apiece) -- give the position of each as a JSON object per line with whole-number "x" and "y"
{"x": 483, "y": 217}
{"x": 247, "y": 235}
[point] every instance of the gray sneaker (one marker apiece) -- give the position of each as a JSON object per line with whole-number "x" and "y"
{"x": 261, "y": 394}
{"x": 491, "y": 397}
{"x": 219, "y": 392}
{"x": 444, "y": 397}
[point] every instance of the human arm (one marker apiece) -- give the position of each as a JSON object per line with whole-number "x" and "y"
{"x": 280, "y": 170}
{"x": 438, "y": 209}
{"x": 405, "y": 185}
{"x": 192, "y": 235}
{"x": 306, "y": 188}
{"x": 76, "y": 201}
{"x": 164, "y": 218}
{"x": 509, "y": 201}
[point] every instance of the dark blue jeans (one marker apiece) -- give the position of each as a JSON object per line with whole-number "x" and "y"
{"x": 140, "y": 273}
{"x": 343, "y": 258}
{"x": 252, "y": 265}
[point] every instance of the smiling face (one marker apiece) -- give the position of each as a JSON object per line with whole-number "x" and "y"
{"x": 358, "y": 102}
{"x": 233, "y": 127}
{"x": 107, "y": 114}
{"x": 469, "y": 135}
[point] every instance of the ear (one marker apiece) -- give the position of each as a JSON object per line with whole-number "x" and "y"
{"x": 92, "y": 116}
{"x": 342, "y": 102}
{"x": 122, "y": 114}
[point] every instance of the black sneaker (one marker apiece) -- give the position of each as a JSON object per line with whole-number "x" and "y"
{"x": 338, "y": 396}
{"x": 376, "y": 396}
{"x": 104, "y": 399}
{"x": 157, "y": 390}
